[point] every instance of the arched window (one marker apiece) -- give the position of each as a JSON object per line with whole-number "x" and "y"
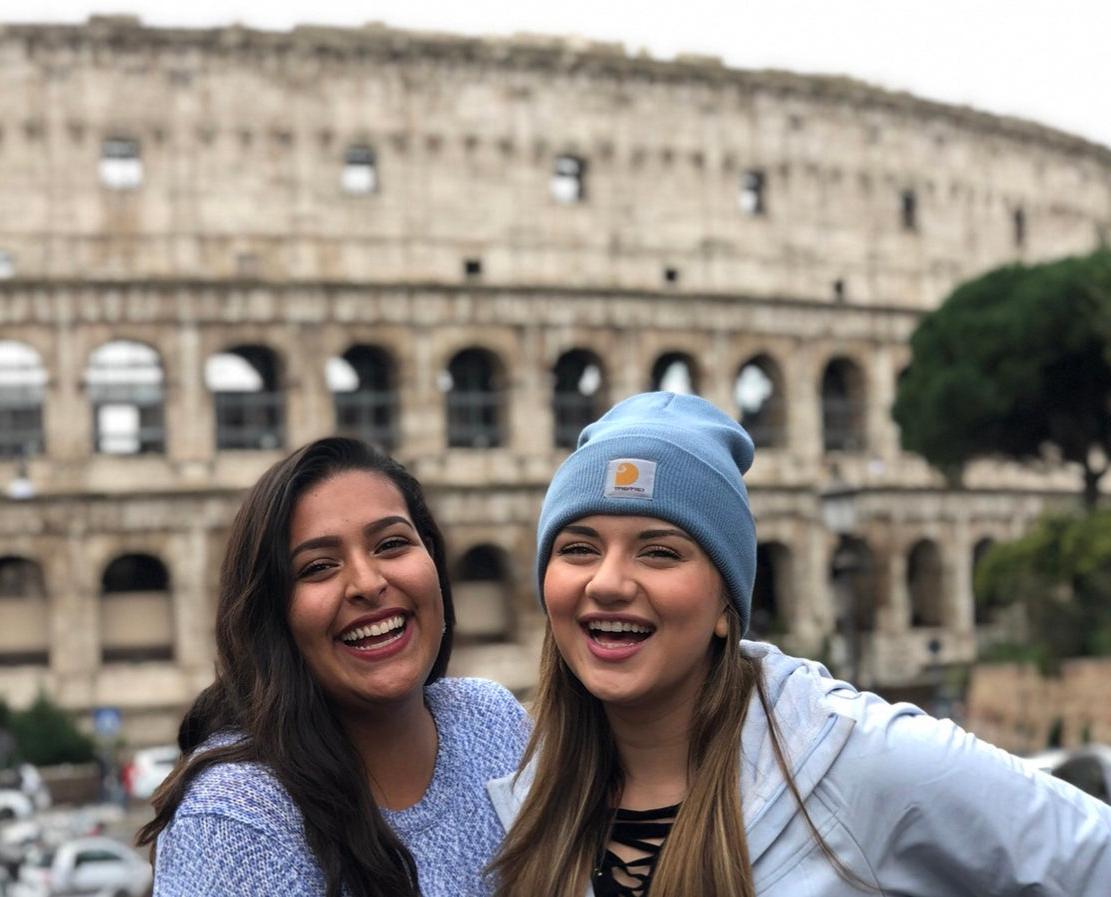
{"x": 474, "y": 387}
{"x": 758, "y": 392}
{"x": 675, "y": 372}
{"x": 924, "y": 583}
{"x": 136, "y": 610}
{"x": 124, "y": 380}
{"x": 363, "y": 388}
{"x": 247, "y": 396}
{"x": 578, "y": 398}
{"x": 24, "y": 614}
{"x": 773, "y": 591}
{"x": 481, "y": 592}
{"x": 22, "y": 386}
{"x": 843, "y": 407}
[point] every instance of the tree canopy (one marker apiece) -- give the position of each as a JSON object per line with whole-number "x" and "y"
{"x": 1017, "y": 364}
{"x": 1060, "y": 573}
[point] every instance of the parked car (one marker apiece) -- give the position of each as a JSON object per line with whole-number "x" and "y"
{"x": 27, "y": 779}
{"x": 148, "y": 769}
{"x": 98, "y": 866}
{"x": 15, "y": 805}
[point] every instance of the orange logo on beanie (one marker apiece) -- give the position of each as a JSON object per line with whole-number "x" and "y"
{"x": 630, "y": 478}
{"x": 626, "y": 474}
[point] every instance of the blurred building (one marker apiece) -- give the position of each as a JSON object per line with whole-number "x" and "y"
{"x": 218, "y": 244}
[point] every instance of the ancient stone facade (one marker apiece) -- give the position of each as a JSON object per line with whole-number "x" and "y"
{"x": 216, "y": 245}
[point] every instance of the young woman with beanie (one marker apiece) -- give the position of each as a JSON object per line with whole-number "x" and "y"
{"x": 330, "y": 756}
{"x": 672, "y": 758}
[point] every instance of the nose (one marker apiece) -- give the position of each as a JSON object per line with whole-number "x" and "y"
{"x": 612, "y": 581}
{"x": 364, "y": 578}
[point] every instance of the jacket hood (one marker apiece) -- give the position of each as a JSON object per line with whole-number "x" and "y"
{"x": 812, "y": 734}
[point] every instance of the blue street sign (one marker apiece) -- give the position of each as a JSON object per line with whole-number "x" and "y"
{"x": 106, "y": 721}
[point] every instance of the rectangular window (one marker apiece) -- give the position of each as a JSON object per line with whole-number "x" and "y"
{"x": 7, "y": 265}
{"x": 753, "y": 197}
{"x": 908, "y": 203}
{"x": 121, "y": 167}
{"x": 1019, "y": 226}
{"x": 569, "y": 179}
{"x": 360, "y": 171}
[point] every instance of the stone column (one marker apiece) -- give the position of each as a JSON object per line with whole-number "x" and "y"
{"x": 67, "y": 417}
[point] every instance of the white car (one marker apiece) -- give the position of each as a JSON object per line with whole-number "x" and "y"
{"x": 15, "y": 805}
{"x": 99, "y": 866}
{"x": 148, "y": 769}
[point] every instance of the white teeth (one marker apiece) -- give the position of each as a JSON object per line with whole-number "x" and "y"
{"x": 375, "y": 629}
{"x": 617, "y": 626}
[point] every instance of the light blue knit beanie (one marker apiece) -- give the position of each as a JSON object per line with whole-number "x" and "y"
{"x": 663, "y": 455}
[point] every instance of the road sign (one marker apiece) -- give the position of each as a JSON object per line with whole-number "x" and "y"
{"x": 106, "y": 721}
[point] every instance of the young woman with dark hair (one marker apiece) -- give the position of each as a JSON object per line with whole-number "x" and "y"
{"x": 671, "y": 758}
{"x": 330, "y": 756}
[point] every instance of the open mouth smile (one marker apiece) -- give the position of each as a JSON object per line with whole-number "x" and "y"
{"x": 614, "y": 639}
{"x": 382, "y": 638}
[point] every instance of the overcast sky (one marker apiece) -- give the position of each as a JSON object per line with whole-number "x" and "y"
{"x": 1045, "y": 60}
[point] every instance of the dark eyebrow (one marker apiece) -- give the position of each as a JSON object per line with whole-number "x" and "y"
{"x": 332, "y": 541}
{"x": 579, "y": 530}
{"x": 657, "y": 533}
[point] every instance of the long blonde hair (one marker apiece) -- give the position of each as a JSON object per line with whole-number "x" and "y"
{"x": 565, "y": 820}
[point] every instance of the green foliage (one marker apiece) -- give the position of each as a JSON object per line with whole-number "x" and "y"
{"x": 45, "y": 735}
{"x": 1013, "y": 362}
{"x": 1060, "y": 573}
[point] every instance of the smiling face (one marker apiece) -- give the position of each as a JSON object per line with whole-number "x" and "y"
{"x": 634, "y": 604}
{"x": 365, "y": 611}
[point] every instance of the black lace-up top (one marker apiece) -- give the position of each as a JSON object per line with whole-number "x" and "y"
{"x": 643, "y": 832}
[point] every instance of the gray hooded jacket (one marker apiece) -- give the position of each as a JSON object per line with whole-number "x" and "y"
{"x": 913, "y": 805}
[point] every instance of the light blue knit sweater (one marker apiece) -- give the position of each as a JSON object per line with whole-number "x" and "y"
{"x": 238, "y": 833}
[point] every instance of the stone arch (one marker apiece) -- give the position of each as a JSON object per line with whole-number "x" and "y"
{"x": 761, "y": 400}
{"x": 676, "y": 372}
{"x": 474, "y": 385}
{"x": 925, "y": 584}
{"x": 773, "y": 597}
{"x": 363, "y": 383}
{"x": 136, "y": 610}
{"x": 124, "y": 380}
{"x": 24, "y": 613}
{"x": 23, "y": 380}
{"x": 482, "y": 593}
{"x": 248, "y": 400}
{"x": 844, "y": 406}
{"x": 578, "y": 394}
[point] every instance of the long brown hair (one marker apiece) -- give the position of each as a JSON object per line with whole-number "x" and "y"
{"x": 565, "y": 820}
{"x": 265, "y": 693}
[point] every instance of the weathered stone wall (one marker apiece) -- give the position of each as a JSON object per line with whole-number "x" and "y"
{"x": 1014, "y": 706}
{"x": 240, "y": 233}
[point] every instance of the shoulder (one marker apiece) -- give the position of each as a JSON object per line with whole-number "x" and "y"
{"x": 243, "y": 792}
{"x": 482, "y": 718}
{"x": 469, "y": 697}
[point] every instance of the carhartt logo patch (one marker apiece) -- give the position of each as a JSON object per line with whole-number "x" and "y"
{"x": 630, "y": 478}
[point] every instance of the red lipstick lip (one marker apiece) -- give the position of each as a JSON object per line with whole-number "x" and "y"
{"x": 373, "y": 655}
{"x": 371, "y": 619}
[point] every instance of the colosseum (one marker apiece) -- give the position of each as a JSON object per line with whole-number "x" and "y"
{"x": 218, "y": 244}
